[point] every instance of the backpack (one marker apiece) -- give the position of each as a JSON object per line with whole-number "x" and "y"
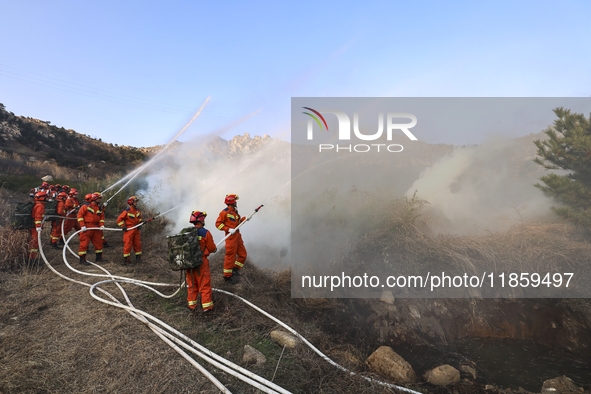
{"x": 51, "y": 209}
{"x": 184, "y": 251}
{"x": 22, "y": 219}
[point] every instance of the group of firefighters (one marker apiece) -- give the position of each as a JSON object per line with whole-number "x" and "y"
{"x": 89, "y": 217}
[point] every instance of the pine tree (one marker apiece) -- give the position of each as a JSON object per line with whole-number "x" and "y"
{"x": 568, "y": 150}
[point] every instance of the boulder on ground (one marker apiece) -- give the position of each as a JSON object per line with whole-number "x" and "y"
{"x": 562, "y": 385}
{"x": 390, "y": 364}
{"x": 253, "y": 356}
{"x": 284, "y": 339}
{"x": 467, "y": 371}
{"x": 442, "y": 375}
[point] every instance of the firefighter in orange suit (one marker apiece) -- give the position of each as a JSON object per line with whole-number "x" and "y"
{"x": 91, "y": 216}
{"x": 131, "y": 237}
{"x": 199, "y": 279}
{"x": 227, "y": 222}
{"x": 37, "y": 214}
{"x": 56, "y": 225}
{"x": 71, "y": 205}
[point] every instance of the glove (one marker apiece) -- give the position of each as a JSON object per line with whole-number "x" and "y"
{"x": 104, "y": 205}
{"x": 232, "y": 231}
{"x": 124, "y": 228}
{"x": 39, "y": 229}
{"x": 102, "y": 227}
{"x": 248, "y": 218}
{"x": 83, "y": 228}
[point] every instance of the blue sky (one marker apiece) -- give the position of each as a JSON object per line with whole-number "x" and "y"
{"x": 134, "y": 72}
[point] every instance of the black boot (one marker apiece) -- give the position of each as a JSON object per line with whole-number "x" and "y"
{"x": 106, "y": 244}
{"x": 61, "y": 242}
{"x": 83, "y": 260}
{"x": 235, "y": 271}
{"x": 138, "y": 258}
{"x": 55, "y": 245}
{"x": 126, "y": 260}
{"x": 99, "y": 257}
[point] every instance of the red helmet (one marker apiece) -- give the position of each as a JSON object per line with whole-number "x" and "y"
{"x": 132, "y": 200}
{"x": 88, "y": 197}
{"x": 198, "y": 216}
{"x": 58, "y": 186}
{"x": 65, "y": 188}
{"x": 96, "y": 196}
{"x": 44, "y": 185}
{"x": 73, "y": 192}
{"x": 231, "y": 199}
{"x": 61, "y": 196}
{"x": 41, "y": 196}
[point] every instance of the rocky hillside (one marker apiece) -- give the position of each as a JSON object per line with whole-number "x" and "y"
{"x": 31, "y": 149}
{"x": 38, "y": 141}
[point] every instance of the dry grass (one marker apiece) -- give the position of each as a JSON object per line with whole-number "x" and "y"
{"x": 401, "y": 242}
{"x": 19, "y": 164}
{"x": 56, "y": 338}
{"x": 14, "y": 247}
{"x": 56, "y": 171}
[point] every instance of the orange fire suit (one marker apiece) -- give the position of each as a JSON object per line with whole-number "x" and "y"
{"x": 71, "y": 204}
{"x": 199, "y": 279}
{"x": 91, "y": 215}
{"x": 131, "y": 238}
{"x": 235, "y": 250}
{"x": 37, "y": 214}
{"x": 56, "y": 225}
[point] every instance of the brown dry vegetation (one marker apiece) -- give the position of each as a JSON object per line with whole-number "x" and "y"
{"x": 55, "y": 338}
{"x": 403, "y": 234}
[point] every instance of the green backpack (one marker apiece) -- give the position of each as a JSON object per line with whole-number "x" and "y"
{"x": 51, "y": 210}
{"x": 22, "y": 219}
{"x": 184, "y": 251}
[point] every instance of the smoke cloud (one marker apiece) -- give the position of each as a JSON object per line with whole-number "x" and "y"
{"x": 471, "y": 189}
{"x": 197, "y": 175}
{"x": 488, "y": 187}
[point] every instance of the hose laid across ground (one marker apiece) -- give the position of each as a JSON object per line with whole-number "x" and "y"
{"x": 173, "y": 337}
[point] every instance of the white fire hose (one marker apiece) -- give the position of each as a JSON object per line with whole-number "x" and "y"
{"x": 173, "y": 337}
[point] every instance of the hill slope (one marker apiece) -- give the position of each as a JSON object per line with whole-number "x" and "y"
{"x": 40, "y": 140}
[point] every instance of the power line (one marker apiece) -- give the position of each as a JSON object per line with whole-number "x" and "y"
{"x": 88, "y": 89}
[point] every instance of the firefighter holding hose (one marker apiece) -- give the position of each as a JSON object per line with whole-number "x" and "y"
{"x": 199, "y": 278}
{"x": 131, "y": 217}
{"x": 71, "y": 206}
{"x": 37, "y": 214}
{"x": 227, "y": 221}
{"x": 91, "y": 216}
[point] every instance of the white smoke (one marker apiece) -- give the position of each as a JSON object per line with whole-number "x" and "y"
{"x": 488, "y": 187}
{"x": 473, "y": 189}
{"x": 195, "y": 176}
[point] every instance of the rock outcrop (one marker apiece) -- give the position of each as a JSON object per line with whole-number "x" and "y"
{"x": 391, "y": 365}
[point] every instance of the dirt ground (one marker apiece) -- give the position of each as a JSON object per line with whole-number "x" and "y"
{"x": 55, "y": 338}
